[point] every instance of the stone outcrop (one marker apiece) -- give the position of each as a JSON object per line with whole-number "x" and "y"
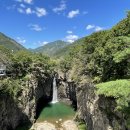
{"x": 22, "y": 109}
{"x": 98, "y": 112}
{"x": 66, "y": 90}
{"x": 10, "y": 114}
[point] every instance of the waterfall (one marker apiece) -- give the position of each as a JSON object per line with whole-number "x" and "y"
{"x": 55, "y": 96}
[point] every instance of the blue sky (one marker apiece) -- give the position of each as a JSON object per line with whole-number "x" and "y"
{"x": 34, "y": 23}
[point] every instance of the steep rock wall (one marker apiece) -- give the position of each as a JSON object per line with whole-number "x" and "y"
{"x": 98, "y": 112}
{"x": 66, "y": 90}
{"x": 22, "y": 109}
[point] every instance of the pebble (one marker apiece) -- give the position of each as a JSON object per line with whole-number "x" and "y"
{"x": 60, "y": 120}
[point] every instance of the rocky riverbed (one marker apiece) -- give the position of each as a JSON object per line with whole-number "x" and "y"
{"x": 59, "y": 125}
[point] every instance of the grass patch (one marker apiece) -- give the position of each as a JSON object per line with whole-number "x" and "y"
{"x": 82, "y": 126}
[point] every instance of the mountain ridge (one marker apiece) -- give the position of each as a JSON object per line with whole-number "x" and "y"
{"x": 10, "y": 43}
{"x": 51, "y": 48}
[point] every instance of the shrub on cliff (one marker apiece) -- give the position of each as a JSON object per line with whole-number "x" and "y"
{"x": 119, "y": 89}
{"x": 24, "y": 62}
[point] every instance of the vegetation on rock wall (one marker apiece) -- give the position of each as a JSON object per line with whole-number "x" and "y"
{"x": 119, "y": 89}
{"x": 104, "y": 57}
{"x": 21, "y": 66}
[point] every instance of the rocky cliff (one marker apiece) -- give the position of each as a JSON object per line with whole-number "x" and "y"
{"x": 23, "y": 109}
{"x": 98, "y": 112}
{"x": 66, "y": 90}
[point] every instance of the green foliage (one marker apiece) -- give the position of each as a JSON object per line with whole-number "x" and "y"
{"x": 10, "y": 86}
{"x": 103, "y": 56}
{"x": 122, "y": 55}
{"x": 119, "y": 89}
{"x": 51, "y": 48}
{"x": 65, "y": 64}
{"x": 10, "y": 43}
{"x": 68, "y": 49}
{"x": 82, "y": 126}
{"x": 5, "y": 55}
{"x": 25, "y": 62}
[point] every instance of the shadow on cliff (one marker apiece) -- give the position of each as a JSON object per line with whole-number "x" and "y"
{"x": 43, "y": 94}
{"x": 72, "y": 94}
{"x": 41, "y": 104}
{"x": 11, "y": 115}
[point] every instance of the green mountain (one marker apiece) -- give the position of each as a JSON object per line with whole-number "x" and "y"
{"x": 51, "y": 48}
{"x": 69, "y": 48}
{"x": 10, "y": 43}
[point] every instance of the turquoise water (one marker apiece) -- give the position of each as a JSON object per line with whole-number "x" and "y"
{"x": 53, "y": 112}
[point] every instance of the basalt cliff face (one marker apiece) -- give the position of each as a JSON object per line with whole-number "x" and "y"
{"x": 98, "y": 112}
{"x": 23, "y": 109}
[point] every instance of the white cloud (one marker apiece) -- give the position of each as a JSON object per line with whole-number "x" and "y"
{"x": 73, "y": 13}
{"x": 95, "y": 28}
{"x": 28, "y": 11}
{"x": 25, "y": 1}
{"x": 21, "y": 40}
{"x": 60, "y": 8}
{"x": 22, "y": 5}
{"x": 28, "y": 1}
{"x": 71, "y": 38}
{"x": 69, "y": 32}
{"x": 35, "y": 27}
{"x": 24, "y": 8}
{"x": 40, "y": 12}
{"x": 43, "y": 43}
{"x": 90, "y": 27}
{"x": 20, "y": 10}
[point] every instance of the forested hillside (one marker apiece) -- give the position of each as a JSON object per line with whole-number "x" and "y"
{"x": 10, "y": 43}
{"x": 104, "y": 57}
{"x": 51, "y": 48}
{"x": 62, "y": 52}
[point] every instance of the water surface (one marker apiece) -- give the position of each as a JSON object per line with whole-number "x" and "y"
{"x": 53, "y": 112}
